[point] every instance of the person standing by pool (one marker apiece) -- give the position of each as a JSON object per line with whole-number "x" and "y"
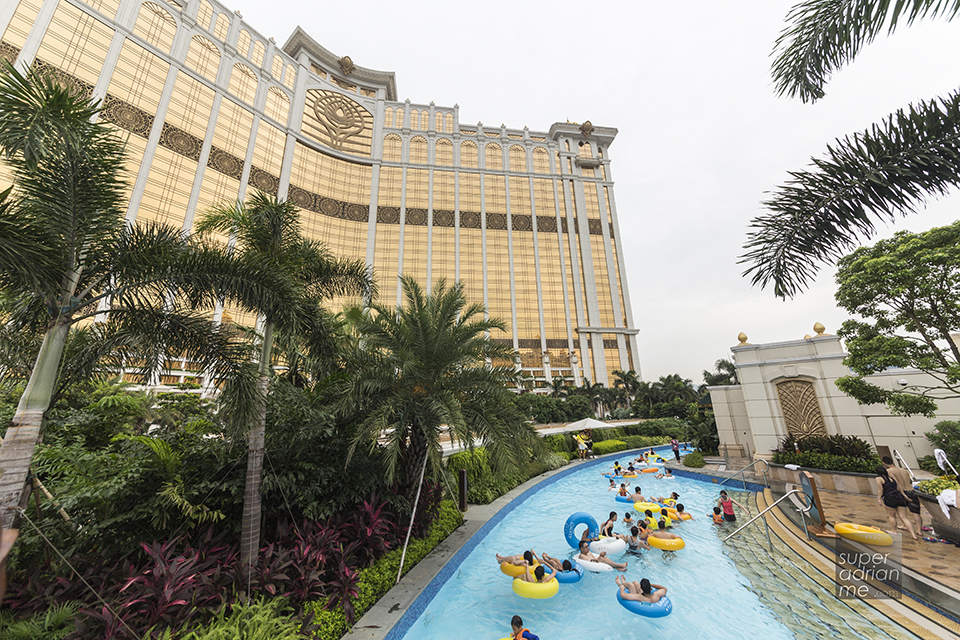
{"x": 726, "y": 504}
{"x": 893, "y": 500}
{"x": 519, "y": 632}
{"x": 675, "y": 445}
{"x": 642, "y": 591}
{"x": 902, "y": 476}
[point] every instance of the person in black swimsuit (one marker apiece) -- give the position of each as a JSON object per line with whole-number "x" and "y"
{"x": 893, "y": 500}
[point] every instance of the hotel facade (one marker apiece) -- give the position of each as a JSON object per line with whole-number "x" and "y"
{"x": 211, "y": 110}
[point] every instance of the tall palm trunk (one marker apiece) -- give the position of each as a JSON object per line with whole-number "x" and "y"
{"x": 26, "y": 429}
{"x": 250, "y": 524}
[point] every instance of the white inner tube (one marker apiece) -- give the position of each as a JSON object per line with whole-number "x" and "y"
{"x": 596, "y": 567}
{"x": 610, "y": 545}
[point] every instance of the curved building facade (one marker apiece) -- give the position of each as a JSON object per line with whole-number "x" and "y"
{"x": 210, "y": 109}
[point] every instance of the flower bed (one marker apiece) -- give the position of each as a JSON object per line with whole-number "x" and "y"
{"x": 840, "y": 481}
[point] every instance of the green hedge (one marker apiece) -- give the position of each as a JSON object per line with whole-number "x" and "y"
{"x": 642, "y": 442}
{"x": 491, "y": 486}
{"x": 608, "y": 446}
{"x": 375, "y": 581}
{"x": 693, "y": 460}
{"x": 827, "y": 462}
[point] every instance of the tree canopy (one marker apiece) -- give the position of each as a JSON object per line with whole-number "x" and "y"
{"x": 907, "y": 292}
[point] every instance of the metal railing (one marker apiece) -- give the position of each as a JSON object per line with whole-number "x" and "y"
{"x": 896, "y": 454}
{"x": 744, "y": 478}
{"x": 803, "y": 513}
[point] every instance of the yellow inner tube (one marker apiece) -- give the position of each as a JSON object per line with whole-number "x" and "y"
{"x": 643, "y": 506}
{"x": 514, "y": 570}
{"x": 536, "y": 590}
{"x": 630, "y": 475}
{"x": 864, "y": 533}
{"x": 674, "y": 544}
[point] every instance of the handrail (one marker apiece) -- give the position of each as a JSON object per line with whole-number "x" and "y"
{"x": 784, "y": 497}
{"x": 896, "y": 453}
{"x": 744, "y": 478}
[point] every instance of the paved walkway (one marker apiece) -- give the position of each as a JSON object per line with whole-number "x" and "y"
{"x": 933, "y": 559}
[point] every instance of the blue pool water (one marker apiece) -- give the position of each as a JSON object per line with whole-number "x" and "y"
{"x": 711, "y": 598}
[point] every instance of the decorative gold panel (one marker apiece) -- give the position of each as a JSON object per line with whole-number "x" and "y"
{"x": 338, "y": 122}
{"x": 801, "y": 411}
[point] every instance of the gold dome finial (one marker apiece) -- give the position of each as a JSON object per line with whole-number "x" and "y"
{"x": 819, "y": 328}
{"x": 742, "y": 338}
{"x": 807, "y": 337}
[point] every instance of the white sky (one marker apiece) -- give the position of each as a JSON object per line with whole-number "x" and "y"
{"x": 702, "y": 135}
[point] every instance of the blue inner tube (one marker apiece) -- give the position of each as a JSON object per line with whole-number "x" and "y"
{"x": 569, "y": 577}
{"x": 624, "y": 499}
{"x": 658, "y": 609}
{"x": 570, "y": 528}
{"x": 610, "y": 475}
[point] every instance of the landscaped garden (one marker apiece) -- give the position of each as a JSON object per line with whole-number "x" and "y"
{"x": 275, "y": 500}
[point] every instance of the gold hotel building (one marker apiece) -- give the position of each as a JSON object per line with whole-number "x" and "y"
{"x": 211, "y": 109}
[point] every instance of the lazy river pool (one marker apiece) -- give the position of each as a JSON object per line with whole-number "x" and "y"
{"x": 717, "y": 591}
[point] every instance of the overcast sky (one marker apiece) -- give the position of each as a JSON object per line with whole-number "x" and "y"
{"x": 702, "y": 136}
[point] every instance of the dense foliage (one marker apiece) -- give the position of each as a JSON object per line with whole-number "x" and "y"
{"x": 826, "y": 461}
{"x": 937, "y": 485}
{"x": 693, "y": 460}
{"x": 945, "y": 435}
{"x": 907, "y": 292}
{"x": 609, "y": 446}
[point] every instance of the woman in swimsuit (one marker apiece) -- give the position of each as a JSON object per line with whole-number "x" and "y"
{"x": 726, "y": 504}
{"x": 893, "y": 500}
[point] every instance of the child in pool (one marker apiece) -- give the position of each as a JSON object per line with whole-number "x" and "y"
{"x": 519, "y": 632}
{"x": 627, "y": 519}
{"x": 717, "y": 516}
{"x": 623, "y": 491}
{"x": 683, "y": 513}
{"x": 617, "y": 469}
{"x": 613, "y": 485}
{"x": 635, "y": 541}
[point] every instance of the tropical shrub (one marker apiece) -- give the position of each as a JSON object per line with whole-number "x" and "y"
{"x": 827, "y": 461}
{"x": 929, "y": 464}
{"x": 474, "y": 461}
{"x": 835, "y": 445}
{"x": 53, "y": 624}
{"x": 937, "y": 485}
{"x": 693, "y": 460}
{"x": 330, "y": 621}
{"x": 255, "y": 620}
{"x": 609, "y": 446}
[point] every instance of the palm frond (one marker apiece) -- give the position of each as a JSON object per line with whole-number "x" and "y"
{"x": 884, "y": 172}
{"x": 823, "y": 35}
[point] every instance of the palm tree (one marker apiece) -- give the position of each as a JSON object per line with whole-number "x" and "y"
{"x": 424, "y": 368}
{"x": 66, "y": 258}
{"x": 267, "y": 233}
{"x": 882, "y": 173}
{"x": 629, "y": 381}
{"x": 559, "y": 388}
{"x": 725, "y": 373}
{"x": 673, "y": 386}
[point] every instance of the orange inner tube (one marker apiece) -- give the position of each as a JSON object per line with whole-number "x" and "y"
{"x": 650, "y": 470}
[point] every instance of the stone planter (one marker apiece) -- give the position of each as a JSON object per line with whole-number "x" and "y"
{"x": 840, "y": 481}
{"x": 943, "y": 527}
